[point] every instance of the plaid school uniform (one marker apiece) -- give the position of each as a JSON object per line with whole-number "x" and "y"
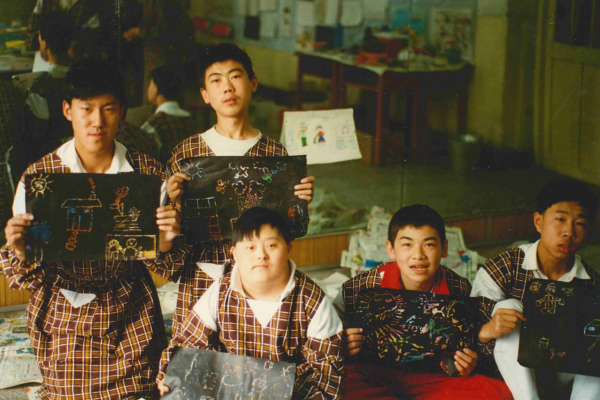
{"x": 193, "y": 281}
{"x": 171, "y": 130}
{"x": 110, "y": 347}
{"x": 320, "y": 364}
{"x": 133, "y": 137}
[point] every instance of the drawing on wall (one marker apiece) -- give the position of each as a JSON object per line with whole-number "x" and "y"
{"x": 232, "y": 185}
{"x": 402, "y": 327}
{"x": 77, "y": 216}
{"x": 562, "y": 327}
{"x": 451, "y": 31}
{"x": 322, "y": 136}
{"x": 203, "y": 374}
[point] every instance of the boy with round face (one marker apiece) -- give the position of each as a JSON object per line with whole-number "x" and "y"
{"x": 416, "y": 244}
{"x": 95, "y": 316}
{"x": 565, "y": 211}
{"x": 227, "y": 82}
{"x": 265, "y": 308}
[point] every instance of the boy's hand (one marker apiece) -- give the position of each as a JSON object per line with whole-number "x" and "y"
{"x": 305, "y": 190}
{"x": 15, "y": 230}
{"x": 466, "y": 361}
{"x": 168, "y": 222}
{"x": 164, "y": 389}
{"x": 175, "y": 188}
{"x": 503, "y": 322}
{"x": 355, "y": 339}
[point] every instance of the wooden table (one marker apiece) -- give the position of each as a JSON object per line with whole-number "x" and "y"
{"x": 417, "y": 83}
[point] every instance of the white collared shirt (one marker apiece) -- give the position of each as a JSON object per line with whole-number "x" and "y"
{"x": 485, "y": 286}
{"x": 172, "y": 108}
{"x": 324, "y": 324}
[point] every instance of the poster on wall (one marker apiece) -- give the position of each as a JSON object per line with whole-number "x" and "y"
{"x": 324, "y": 137}
{"x": 92, "y": 217}
{"x": 402, "y": 327}
{"x": 223, "y": 188}
{"x": 562, "y": 327}
{"x": 451, "y": 32}
{"x": 205, "y": 374}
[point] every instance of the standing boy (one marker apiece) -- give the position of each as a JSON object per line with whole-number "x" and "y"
{"x": 565, "y": 211}
{"x": 227, "y": 81}
{"x": 416, "y": 244}
{"x": 95, "y": 326}
{"x": 266, "y": 308}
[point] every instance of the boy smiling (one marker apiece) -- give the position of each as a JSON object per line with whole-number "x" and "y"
{"x": 565, "y": 211}
{"x": 266, "y": 308}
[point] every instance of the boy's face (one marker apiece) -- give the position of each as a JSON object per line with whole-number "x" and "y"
{"x": 417, "y": 252}
{"x": 563, "y": 228}
{"x": 263, "y": 258}
{"x": 152, "y": 91}
{"x": 228, "y": 89}
{"x": 95, "y": 122}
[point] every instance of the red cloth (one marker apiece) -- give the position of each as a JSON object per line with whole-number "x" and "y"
{"x": 368, "y": 382}
{"x": 391, "y": 278}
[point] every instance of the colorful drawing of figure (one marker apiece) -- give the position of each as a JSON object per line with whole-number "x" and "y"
{"x": 302, "y": 134}
{"x": 114, "y": 249}
{"x": 130, "y": 252}
{"x": 221, "y": 186}
{"x": 320, "y": 136}
{"x": 549, "y": 302}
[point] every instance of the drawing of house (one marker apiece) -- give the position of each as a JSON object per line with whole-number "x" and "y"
{"x": 80, "y": 214}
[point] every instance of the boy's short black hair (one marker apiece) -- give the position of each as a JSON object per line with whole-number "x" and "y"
{"x": 417, "y": 215}
{"x": 249, "y": 224}
{"x": 57, "y": 29}
{"x": 220, "y": 53}
{"x": 92, "y": 77}
{"x": 567, "y": 190}
{"x": 167, "y": 81}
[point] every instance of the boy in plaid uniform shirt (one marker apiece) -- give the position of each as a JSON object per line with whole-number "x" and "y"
{"x": 416, "y": 244}
{"x": 227, "y": 81}
{"x": 565, "y": 211}
{"x": 96, "y": 326}
{"x": 169, "y": 124}
{"x": 266, "y": 308}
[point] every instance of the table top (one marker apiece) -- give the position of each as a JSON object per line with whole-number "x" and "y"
{"x": 15, "y": 63}
{"x": 413, "y": 66}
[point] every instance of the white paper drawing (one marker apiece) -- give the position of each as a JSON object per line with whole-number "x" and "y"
{"x": 323, "y": 136}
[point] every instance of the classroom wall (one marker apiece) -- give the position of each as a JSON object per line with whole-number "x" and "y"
{"x": 16, "y": 9}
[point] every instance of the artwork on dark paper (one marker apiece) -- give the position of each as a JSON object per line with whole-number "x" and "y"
{"x": 92, "y": 217}
{"x": 204, "y": 374}
{"x": 222, "y": 188}
{"x": 402, "y": 327}
{"x": 562, "y": 330}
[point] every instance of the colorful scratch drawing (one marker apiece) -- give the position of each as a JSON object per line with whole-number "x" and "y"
{"x": 75, "y": 217}
{"x": 204, "y": 374}
{"x": 403, "y": 327}
{"x": 562, "y": 327}
{"x": 231, "y": 185}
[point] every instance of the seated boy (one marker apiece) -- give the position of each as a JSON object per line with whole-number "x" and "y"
{"x": 96, "y": 327}
{"x": 227, "y": 83}
{"x": 169, "y": 124}
{"x": 565, "y": 211}
{"x": 416, "y": 244}
{"x": 265, "y": 308}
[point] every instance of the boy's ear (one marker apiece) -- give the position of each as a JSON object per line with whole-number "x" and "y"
{"x": 254, "y": 84}
{"x": 205, "y": 96}
{"x": 445, "y": 249}
{"x": 390, "y": 250}
{"x": 233, "y": 253}
{"x": 538, "y": 219}
{"x": 289, "y": 245}
{"x": 67, "y": 110}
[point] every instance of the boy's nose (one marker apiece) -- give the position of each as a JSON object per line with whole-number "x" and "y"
{"x": 97, "y": 118}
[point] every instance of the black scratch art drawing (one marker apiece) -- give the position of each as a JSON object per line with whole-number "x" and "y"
{"x": 92, "y": 217}
{"x": 203, "y": 374}
{"x": 562, "y": 330}
{"x": 222, "y": 188}
{"x": 403, "y": 327}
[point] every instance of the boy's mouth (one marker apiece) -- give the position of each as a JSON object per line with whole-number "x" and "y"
{"x": 419, "y": 268}
{"x": 230, "y": 101}
{"x": 565, "y": 248}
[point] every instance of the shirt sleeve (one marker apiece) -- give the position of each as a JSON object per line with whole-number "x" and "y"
{"x": 195, "y": 332}
{"x": 322, "y": 373}
{"x": 171, "y": 263}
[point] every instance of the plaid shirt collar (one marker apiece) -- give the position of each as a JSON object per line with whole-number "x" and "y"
{"x": 530, "y": 263}
{"x": 70, "y": 158}
{"x": 172, "y": 108}
{"x": 237, "y": 286}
